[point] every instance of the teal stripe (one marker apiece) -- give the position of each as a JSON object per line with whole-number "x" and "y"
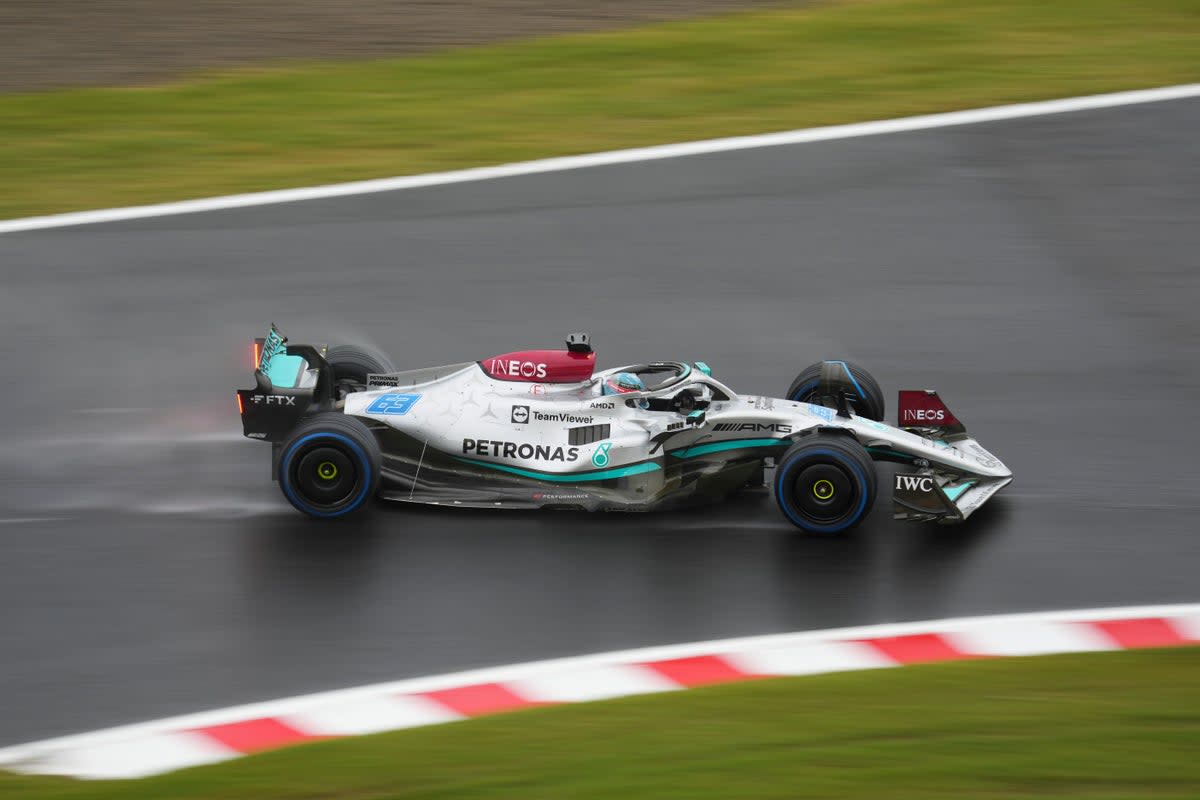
{"x": 736, "y": 444}
{"x": 577, "y": 477}
{"x": 885, "y": 451}
{"x": 957, "y": 491}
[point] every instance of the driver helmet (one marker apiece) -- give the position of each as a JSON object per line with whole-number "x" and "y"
{"x": 623, "y": 382}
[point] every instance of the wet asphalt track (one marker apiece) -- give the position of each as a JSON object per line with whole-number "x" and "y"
{"x": 1041, "y": 273}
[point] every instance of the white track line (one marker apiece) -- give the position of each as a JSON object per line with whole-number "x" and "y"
{"x": 876, "y": 128}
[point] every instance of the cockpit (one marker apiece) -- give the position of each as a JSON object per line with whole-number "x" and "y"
{"x": 657, "y": 386}
{"x": 663, "y": 386}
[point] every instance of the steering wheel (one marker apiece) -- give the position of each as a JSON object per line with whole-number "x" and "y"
{"x": 683, "y": 403}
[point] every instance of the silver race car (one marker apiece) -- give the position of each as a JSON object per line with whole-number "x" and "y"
{"x": 545, "y": 429}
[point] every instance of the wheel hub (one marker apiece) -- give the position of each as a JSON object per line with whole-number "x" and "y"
{"x": 326, "y": 476}
{"x": 824, "y": 492}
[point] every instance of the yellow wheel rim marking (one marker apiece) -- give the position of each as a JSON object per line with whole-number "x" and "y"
{"x": 327, "y": 470}
{"x": 822, "y": 489}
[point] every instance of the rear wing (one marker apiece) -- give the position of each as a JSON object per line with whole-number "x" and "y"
{"x": 290, "y": 381}
{"x": 282, "y": 370}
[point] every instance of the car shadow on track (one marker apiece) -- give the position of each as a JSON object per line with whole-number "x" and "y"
{"x": 934, "y": 545}
{"x": 938, "y": 568}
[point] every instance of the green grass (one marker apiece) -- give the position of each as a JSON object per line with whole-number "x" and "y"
{"x": 823, "y": 63}
{"x": 1113, "y": 725}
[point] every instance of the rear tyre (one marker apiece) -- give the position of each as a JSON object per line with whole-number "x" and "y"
{"x": 869, "y": 402}
{"x": 825, "y": 483}
{"x": 330, "y": 466}
{"x": 352, "y": 364}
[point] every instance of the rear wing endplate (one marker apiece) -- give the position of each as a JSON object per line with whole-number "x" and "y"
{"x": 279, "y": 401}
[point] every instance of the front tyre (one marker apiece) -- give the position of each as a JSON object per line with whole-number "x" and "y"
{"x": 868, "y": 399}
{"x": 330, "y": 466}
{"x": 825, "y": 483}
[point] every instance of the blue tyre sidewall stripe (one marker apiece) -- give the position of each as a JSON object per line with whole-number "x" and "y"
{"x": 285, "y": 475}
{"x": 853, "y": 380}
{"x": 782, "y": 496}
{"x": 808, "y": 387}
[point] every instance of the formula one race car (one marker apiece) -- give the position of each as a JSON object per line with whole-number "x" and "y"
{"x": 544, "y": 429}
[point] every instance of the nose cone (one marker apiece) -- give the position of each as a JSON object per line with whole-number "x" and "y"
{"x": 983, "y": 462}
